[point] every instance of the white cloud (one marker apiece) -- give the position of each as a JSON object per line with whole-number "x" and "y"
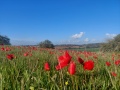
{"x": 76, "y": 36}
{"x": 111, "y": 35}
{"x": 86, "y": 40}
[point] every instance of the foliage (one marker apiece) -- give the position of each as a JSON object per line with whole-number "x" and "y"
{"x": 4, "y": 40}
{"x": 46, "y": 44}
{"x": 112, "y": 45}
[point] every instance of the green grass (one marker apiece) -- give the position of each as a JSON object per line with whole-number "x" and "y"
{"x": 24, "y": 73}
{"x": 85, "y": 49}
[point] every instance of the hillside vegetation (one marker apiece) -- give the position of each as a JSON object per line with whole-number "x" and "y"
{"x": 112, "y": 45}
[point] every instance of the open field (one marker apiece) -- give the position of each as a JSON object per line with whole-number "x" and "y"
{"x": 32, "y": 68}
{"x": 85, "y": 49}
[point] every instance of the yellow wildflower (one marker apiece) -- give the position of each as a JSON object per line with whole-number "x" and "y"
{"x": 66, "y": 83}
{"x": 31, "y": 88}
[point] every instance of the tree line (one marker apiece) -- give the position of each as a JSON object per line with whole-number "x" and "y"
{"x": 4, "y": 40}
{"x": 111, "y": 45}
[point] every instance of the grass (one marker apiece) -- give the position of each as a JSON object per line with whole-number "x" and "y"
{"x": 85, "y": 49}
{"x": 27, "y": 72}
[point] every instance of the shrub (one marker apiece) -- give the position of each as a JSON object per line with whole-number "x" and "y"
{"x": 112, "y": 45}
{"x": 46, "y": 44}
{"x": 4, "y": 40}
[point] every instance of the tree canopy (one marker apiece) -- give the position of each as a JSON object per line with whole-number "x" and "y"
{"x": 4, "y": 40}
{"x": 46, "y": 44}
{"x": 112, "y": 45}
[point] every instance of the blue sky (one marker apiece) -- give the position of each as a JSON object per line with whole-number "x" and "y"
{"x": 60, "y": 21}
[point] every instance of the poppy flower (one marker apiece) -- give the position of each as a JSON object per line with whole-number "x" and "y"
{"x": 25, "y": 54}
{"x": 66, "y": 57}
{"x": 10, "y": 56}
{"x": 113, "y": 58}
{"x": 46, "y": 66}
{"x": 80, "y": 60}
{"x": 63, "y": 61}
{"x": 117, "y": 62}
{"x": 2, "y": 49}
{"x": 88, "y": 65}
{"x": 61, "y": 65}
{"x": 113, "y": 74}
{"x": 72, "y": 68}
{"x": 108, "y": 64}
{"x": 7, "y": 49}
{"x": 95, "y": 57}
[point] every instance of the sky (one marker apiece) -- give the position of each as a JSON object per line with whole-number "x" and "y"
{"x": 28, "y": 22}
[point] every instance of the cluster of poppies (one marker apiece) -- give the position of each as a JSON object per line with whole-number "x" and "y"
{"x": 66, "y": 60}
{"x": 5, "y": 49}
{"x": 116, "y": 62}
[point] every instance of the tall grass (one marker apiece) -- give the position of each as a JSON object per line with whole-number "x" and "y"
{"x": 27, "y": 72}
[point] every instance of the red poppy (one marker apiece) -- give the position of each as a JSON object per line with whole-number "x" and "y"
{"x": 113, "y": 58}
{"x": 108, "y": 64}
{"x": 72, "y": 68}
{"x": 80, "y": 60}
{"x": 30, "y": 54}
{"x": 26, "y": 54}
{"x": 95, "y": 57}
{"x": 113, "y": 74}
{"x": 117, "y": 62}
{"x": 7, "y": 49}
{"x": 88, "y": 65}
{"x": 66, "y": 57}
{"x": 63, "y": 61}
{"x": 10, "y": 56}
{"x": 46, "y": 66}
{"x": 2, "y": 48}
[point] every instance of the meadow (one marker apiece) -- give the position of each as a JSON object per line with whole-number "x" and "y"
{"x": 85, "y": 49}
{"x": 34, "y": 68}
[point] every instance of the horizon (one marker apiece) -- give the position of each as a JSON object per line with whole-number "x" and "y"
{"x": 28, "y": 22}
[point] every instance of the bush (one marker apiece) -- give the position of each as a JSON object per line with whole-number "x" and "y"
{"x": 4, "y": 40}
{"x": 112, "y": 45}
{"x": 46, "y": 44}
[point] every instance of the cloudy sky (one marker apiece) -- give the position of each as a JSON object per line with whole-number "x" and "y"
{"x": 61, "y": 21}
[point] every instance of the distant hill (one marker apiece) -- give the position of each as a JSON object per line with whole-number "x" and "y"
{"x": 68, "y": 46}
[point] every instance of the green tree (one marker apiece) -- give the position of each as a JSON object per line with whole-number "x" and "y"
{"x": 112, "y": 45}
{"x": 46, "y": 44}
{"x": 4, "y": 40}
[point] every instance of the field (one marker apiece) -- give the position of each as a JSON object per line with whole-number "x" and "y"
{"x": 85, "y": 49}
{"x": 33, "y": 68}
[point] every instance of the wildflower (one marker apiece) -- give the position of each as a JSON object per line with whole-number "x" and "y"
{"x": 2, "y": 49}
{"x": 10, "y": 56}
{"x": 113, "y": 58}
{"x": 67, "y": 73}
{"x": 66, "y": 57}
{"x": 46, "y": 66}
{"x": 72, "y": 68}
{"x": 26, "y": 54}
{"x": 31, "y": 88}
{"x": 113, "y": 74}
{"x": 66, "y": 83}
{"x": 117, "y": 62}
{"x": 63, "y": 61}
{"x": 95, "y": 57}
{"x": 88, "y": 65}
{"x": 108, "y": 64}
{"x": 7, "y": 49}
{"x": 80, "y": 60}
